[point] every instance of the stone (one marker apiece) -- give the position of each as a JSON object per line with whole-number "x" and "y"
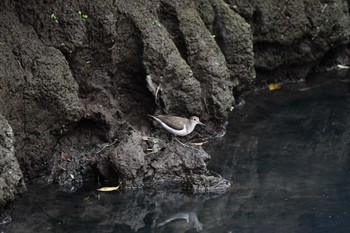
{"x": 11, "y": 177}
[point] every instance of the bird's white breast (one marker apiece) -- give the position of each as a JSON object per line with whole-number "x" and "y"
{"x": 182, "y": 132}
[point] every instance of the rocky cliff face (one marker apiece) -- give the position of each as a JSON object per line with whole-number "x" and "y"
{"x": 79, "y": 77}
{"x": 292, "y": 37}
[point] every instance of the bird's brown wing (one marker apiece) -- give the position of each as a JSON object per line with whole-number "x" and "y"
{"x": 173, "y": 121}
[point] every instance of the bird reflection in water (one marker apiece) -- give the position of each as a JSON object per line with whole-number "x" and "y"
{"x": 181, "y": 222}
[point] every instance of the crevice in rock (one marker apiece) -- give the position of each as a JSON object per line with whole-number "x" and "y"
{"x": 77, "y": 154}
{"x": 337, "y": 56}
{"x": 168, "y": 18}
{"x": 92, "y": 128}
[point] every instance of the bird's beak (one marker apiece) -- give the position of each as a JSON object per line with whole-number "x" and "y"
{"x": 201, "y": 123}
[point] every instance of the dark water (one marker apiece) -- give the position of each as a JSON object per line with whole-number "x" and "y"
{"x": 286, "y": 154}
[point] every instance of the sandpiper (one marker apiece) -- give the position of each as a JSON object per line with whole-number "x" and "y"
{"x": 179, "y": 126}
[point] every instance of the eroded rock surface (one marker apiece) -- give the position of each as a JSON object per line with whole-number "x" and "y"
{"x": 140, "y": 161}
{"x": 11, "y": 177}
{"x": 291, "y": 37}
{"x": 234, "y": 37}
{"x": 74, "y": 73}
{"x": 78, "y": 76}
{"x": 39, "y": 96}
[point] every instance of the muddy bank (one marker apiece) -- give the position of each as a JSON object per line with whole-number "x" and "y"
{"x": 77, "y": 79}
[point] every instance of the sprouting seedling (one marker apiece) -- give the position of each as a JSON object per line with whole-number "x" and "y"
{"x": 54, "y": 18}
{"x": 83, "y": 16}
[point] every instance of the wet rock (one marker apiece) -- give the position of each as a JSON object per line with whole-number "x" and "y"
{"x": 168, "y": 69}
{"x": 185, "y": 166}
{"x": 234, "y": 36}
{"x": 205, "y": 59}
{"x": 39, "y": 96}
{"x": 128, "y": 159}
{"x": 290, "y": 37}
{"x": 141, "y": 161}
{"x": 11, "y": 177}
{"x": 77, "y": 155}
{"x": 68, "y": 71}
{"x": 178, "y": 51}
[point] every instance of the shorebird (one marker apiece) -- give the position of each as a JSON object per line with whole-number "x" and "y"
{"x": 179, "y": 126}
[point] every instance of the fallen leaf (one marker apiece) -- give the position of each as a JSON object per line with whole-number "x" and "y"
{"x": 274, "y": 87}
{"x": 342, "y": 66}
{"x": 197, "y": 143}
{"x": 65, "y": 156}
{"x": 108, "y": 189}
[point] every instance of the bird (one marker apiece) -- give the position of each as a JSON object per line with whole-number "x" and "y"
{"x": 191, "y": 219}
{"x": 179, "y": 126}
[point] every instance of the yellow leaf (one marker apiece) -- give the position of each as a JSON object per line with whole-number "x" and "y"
{"x": 108, "y": 189}
{"x": 273, "y": 87}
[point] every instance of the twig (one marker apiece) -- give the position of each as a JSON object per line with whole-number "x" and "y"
{"x": 206, "y": 105}
{"x": 158, "y": 88}
{"x": 318, "y": 85}
{"x": 20, "y": 66}
{"x": 62, "y": 168}
{"x": 104, "y": 147}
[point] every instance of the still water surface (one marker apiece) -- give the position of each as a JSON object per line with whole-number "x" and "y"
{"x": 286, "y": 154}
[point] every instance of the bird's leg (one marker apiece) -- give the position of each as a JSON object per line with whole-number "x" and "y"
{"x": 181, "y": 142}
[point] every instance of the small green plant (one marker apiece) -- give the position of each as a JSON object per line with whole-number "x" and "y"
{"x": 83, "y": 16}
{"x": 155, "y": 22}
{"x": 54, "y": 18}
